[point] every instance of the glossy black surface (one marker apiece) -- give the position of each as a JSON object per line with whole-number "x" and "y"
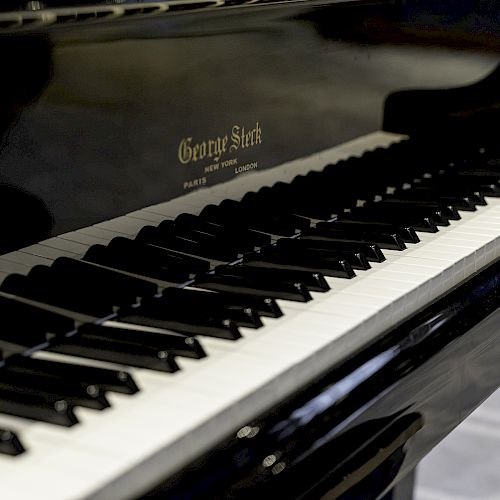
{"x": 122, "y": 94}
{"x": 368, "y": 421}
{"x": 100, "y": 117}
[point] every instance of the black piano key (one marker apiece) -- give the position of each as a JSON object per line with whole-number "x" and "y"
{"x": 98, "y": 254}
{"x": 245, "y": 239}
{"x": 406, "y": 212}
{"x": 149, "y": 236}
{"x": 295, "y": 291}
{"x": 480, "y": 185}
{"x": 447, "y": 211}
{"x": 94, "y": 346}
{"x": 407, "y": 233}
{"x": 96, "y": 301}
{"x": 157, "y": 314}
{"x": 212, "y": 304}
{"x": 212, "y": 213}
{"x": 457, "y": 201}
{"x": 274, "y": 259}
{"x": 226, "y": 247}
{"x": 264, "y": 306}
{"x": 262, "y": 216}
{"x": 157, "y": 256}
{"x": 318, "y": 201}
{"x": 51, "y": 293}
{"x": 123, "y": 256}
{"x": 18, "y": 340}
{"x": 253, "y": 238}
{"x": 387, "y": 240}
{"x": 371, "y": 251}
{"x": 482, "y": 173}
{"x": 301, "y": 200}
{"x": 164, "y": 228}
{"x": 10, "y": 443}
{"x": 262, "y": 211}
{"x": 37, "y": 405}
{"x": 73, "y": 389}
{"x": 29, "y": 320}
{"x": 236, "y": 217}
{"x": 492, "y": 190}
{"x": 107, "y": 379}
{"x": 74, "y": 392}
{"x": 326, "y": 247}
{"x": 464, "y": 203}
{"x": 159, "y": 339}
{"x": 187, "y": 221}
{"x": 448, "y": 186}
{"x": 223, "y": 329}
{"x": 314, "y": 281}
{"x": 195, "y": 244}
{"x": 122, "y": 288}
{"x": 424, "y": 224}
{"x": 475, "y": 197}
{"x": 21, "y": 329}
{"x": 208, "y": 236}
{"x": 245, "y": 317}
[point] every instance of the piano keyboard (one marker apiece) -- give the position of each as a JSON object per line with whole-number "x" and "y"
{"x": 174, "y": 417}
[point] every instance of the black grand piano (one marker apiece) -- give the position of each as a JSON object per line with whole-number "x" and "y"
{"x": 249, "y": 248}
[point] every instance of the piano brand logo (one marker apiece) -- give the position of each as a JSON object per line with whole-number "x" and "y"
{"x": 213, "y": 149}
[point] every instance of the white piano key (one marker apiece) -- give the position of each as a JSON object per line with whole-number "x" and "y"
{"x": 65, "y": 469}
{"x": 165, "y": 210}
{"x": 149, "y": 218}
{"x": 126, "y": 225}
{"x": 105, "y": 235}
{"x": 9, "y": 267}
{"x": 178, "y": 416}
{"x": 66, "y": 245}
{"x": 85, "y": 239}
{"x": 26, "y": 259}
{"x": 171, "y": 209}
{"x": 46, "y": 252}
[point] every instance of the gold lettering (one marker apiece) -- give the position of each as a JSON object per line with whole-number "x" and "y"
{"x": 211, "y": 147}
{"x": 258, "y": 134}
{"x": 203, "y": 150}
{"x": 201, "y": 181}
{"x": 222, "y": 148}
{"x": 215, "y": 148}
{"x": 235, "y": 138}
{"x": 211, "y": 168}
{"x": 185, "y": 153}
{"x": 246, "y": 167}
{"x": 196, "y": 149}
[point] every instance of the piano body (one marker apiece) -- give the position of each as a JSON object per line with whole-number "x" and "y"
{"x": 118, "y": 117}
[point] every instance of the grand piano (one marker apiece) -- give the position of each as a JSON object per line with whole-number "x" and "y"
{"x": 248, "y": 247}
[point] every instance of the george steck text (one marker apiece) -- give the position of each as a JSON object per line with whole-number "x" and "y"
{"x": 214, "y": 149}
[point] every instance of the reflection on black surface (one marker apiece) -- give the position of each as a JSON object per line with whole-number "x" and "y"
{"x": 24, "y": 220}
{"x": 472, "y": 111}
{"x": 469, "y": 24}
{"x": 26, "y": 69}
